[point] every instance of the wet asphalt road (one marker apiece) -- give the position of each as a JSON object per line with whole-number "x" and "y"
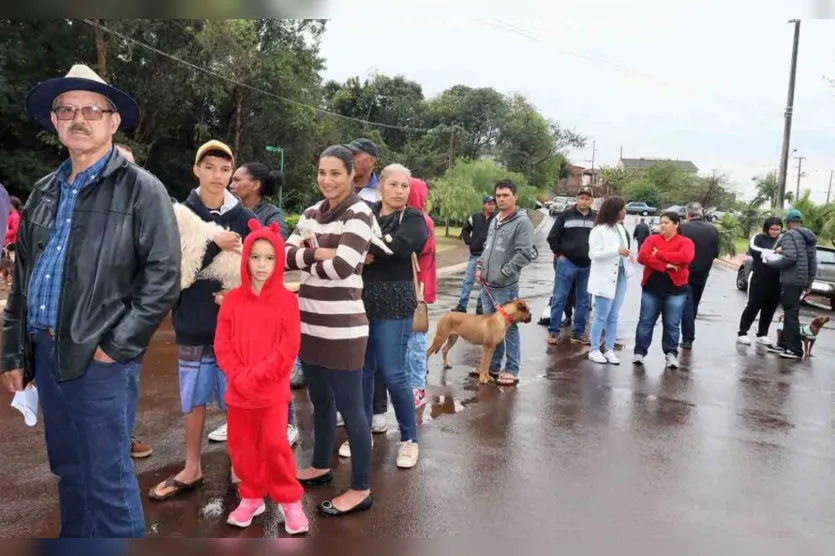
{"x": 736, "y": 442}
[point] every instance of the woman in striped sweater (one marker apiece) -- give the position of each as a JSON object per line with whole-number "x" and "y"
{"x": 329, "y": 245}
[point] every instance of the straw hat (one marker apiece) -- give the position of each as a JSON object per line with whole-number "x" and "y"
{"x": 80, "y": 78}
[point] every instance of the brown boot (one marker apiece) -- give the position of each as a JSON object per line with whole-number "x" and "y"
{"x": 139, "y": 449}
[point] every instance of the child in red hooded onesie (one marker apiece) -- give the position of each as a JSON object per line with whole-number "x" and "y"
{"x": 256, "y": 343}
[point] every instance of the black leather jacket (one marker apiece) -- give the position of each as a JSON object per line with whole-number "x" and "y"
{"x": 121, "y": 274}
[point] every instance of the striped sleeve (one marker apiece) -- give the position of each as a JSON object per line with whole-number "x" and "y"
{"x": 298, "y": 257}
{"x": 353, "y": 246}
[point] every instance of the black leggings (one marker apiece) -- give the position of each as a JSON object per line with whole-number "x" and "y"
{"x": 326, "y": 386}
{"x": 763, "y": 298}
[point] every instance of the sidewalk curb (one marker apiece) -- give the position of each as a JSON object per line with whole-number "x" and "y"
{"x": 728, "y": 264}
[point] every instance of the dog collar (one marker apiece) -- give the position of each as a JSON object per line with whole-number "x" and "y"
{"x": 506, "y": 315}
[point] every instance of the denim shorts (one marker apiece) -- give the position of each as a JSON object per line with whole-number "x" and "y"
{"x": 201, "y": 379}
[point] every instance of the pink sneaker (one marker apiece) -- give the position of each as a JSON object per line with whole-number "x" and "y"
{"x": 420, "y": 397}
{"x": 295, "y": 522}
{"x": 248, "y": 509}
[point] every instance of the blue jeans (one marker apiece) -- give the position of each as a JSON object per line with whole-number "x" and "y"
{"x": 416, "y": 360}
{"x": 565, "y": 274}
{"x": 388, "y": 341}
{"x": 671, "y": 309}
{"x": 606, "y": 311}
{"x": 88, "y": 424}
{"x": 469, "y": 281}
{"x": 510, "y": 346}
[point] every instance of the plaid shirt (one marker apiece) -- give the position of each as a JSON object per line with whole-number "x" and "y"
{"x": 47, "y": 278}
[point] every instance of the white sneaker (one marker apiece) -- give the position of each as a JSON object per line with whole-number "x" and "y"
{"x": 340, "y": 422}
{"x": 672, "y": 361}
{"x": 611, "y": 358}
{"x": 219, "y": 434}
{"x": 744, "y": 340}
{"x": 764, "y": 341}
{"x": 597, "y": 357}
{"x": 292, "y": 434}
{"x": 407, "y": 455}
{"x": 345, "y": 449}
{"x": 638, "y": 359}
{"x": 379, "y": 425}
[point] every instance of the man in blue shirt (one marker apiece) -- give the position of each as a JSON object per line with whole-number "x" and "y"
{"x": 96, "y": 270}
{"x": 366, "y": 154}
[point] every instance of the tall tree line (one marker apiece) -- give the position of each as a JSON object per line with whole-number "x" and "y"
{"x": 182, "y": 107}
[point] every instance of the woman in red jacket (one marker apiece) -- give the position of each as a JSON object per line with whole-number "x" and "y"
{"x": 666, "y": 258}
{"x": 256, "y": 344}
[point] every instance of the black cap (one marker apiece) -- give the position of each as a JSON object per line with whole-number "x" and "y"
{"x": 585, "y": 190}
{"x": 364, "y": 145}
{"x": 488, "y": 199}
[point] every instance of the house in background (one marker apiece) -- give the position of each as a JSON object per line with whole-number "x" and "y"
{"x": 578, "y": 176}
{"x": 644, "y": 163}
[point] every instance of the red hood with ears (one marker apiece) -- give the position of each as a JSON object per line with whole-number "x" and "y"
{"x": 418, "y": 193}
{"x": 271, "y": 233}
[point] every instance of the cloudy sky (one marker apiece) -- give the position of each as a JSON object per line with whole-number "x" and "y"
{"x": 706, "y": 83}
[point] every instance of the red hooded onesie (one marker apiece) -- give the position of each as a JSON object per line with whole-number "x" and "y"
{"x": 256, "y": 344}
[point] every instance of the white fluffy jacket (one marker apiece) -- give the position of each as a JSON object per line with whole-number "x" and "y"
{"x": 195, "y": 236}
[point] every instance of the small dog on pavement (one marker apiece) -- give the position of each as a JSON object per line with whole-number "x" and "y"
{"x": 808, "y": 333}
{"x": 487, "y": 331}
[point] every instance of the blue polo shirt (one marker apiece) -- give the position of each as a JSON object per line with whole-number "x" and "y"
{"x": 48, "y": 275}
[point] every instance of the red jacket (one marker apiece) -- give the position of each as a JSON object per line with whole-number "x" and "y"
{"x": 258, "y": 335}
{"x": 418, "y": 192}
{"x": 11, "y": 229}
{"x": 679, "y": 251}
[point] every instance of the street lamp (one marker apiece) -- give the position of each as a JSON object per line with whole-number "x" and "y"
{"x": 280, "y": 151}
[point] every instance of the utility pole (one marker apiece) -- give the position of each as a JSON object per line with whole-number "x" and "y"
{"x": 800, "y": 160}
{"x": 787, "y": 130}
{"x": 829, "y": 191}
{"x": 593, "y": 151}
{"x": 101, "y": 49}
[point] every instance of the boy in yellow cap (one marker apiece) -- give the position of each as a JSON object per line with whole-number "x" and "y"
{"x": 195, "y": 314}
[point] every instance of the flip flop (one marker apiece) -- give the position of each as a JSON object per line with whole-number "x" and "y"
{"x": 179, "y": 488}
{"x": 506, "y": 379}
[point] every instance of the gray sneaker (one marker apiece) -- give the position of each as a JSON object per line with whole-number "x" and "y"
{"x": 637, "y": 359}
{"x": 672, "y": 361}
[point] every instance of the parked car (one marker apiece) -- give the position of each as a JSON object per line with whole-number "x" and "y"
{"x": 637, "y": 207}
{"x": 559, "y": 204}
{"x": 823, "y": 285}
{"x": 715, "y": 215}
{"x": 680, "y": 209}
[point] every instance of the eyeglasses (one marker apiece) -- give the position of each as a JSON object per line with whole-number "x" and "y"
{"x": 92, "y": 113}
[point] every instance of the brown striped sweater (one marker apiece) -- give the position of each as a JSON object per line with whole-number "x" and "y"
{"x": 334, "y": 323}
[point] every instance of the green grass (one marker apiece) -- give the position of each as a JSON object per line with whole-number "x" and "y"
{"x": 442, "y": 242}
{"x": 741, "y": 245}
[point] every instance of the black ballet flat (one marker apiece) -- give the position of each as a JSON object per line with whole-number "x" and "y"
{"x": 321, "y": 480}
{"x": 326, "y": 507}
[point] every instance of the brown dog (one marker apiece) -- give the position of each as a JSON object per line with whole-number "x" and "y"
{"x": 481, "y": 330}
{"x": 808, "y": 333}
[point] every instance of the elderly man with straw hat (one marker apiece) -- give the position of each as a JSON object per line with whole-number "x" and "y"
{"x": 97, "y": 269}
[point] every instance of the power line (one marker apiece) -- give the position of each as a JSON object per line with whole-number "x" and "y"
{"x": 245, "y": 85}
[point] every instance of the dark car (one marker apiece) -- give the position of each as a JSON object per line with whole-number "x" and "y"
{"x": 823, "y": 285}
{"x": 637, "y": 207}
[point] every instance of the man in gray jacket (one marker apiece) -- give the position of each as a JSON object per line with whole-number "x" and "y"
{"x": 506, "y": 252}
{"x": 798, "y": 266}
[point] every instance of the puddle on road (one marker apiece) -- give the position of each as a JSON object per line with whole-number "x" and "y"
{"x": 438, "y": 406}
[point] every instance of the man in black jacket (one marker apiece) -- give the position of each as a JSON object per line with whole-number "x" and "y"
{"x": 705, "y": 237}
{"x": 97, "y": 269}
{"x": 641, "y": 233}
{"x": 569, "y": 240}
{"x": 474, "y": 234}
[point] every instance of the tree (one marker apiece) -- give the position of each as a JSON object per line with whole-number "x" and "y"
{"x": 767, "y": 189}
{"x": 480, "y": 112}
{"x": 729, "y": 228}
{"x": 645, "y": 192}
{"x": 820, "y": 218}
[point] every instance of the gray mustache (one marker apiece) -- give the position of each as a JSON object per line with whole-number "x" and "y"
{"x": 80, "y": 128}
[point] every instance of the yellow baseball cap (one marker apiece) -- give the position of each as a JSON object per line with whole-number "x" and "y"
{"x": 213, "y": 146}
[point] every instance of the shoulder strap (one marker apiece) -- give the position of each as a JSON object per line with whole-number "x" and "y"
{"x": 418, "y": 284}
